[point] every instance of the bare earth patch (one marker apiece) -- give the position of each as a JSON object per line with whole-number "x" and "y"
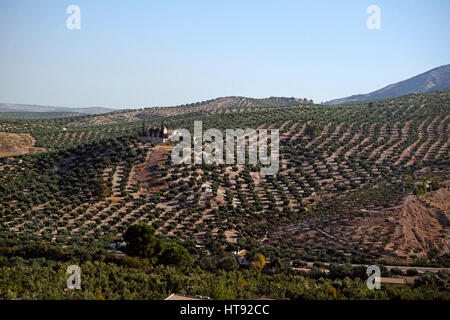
{"x": 231, "y": 235}
{"x": 440, "y": 199}
{"x": 148, "y": 173}
{"x": 420, "y": 228}
{"x": 13, "y": 144}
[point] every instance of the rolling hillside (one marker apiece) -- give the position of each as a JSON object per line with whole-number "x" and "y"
{"x": 346, "y": 182}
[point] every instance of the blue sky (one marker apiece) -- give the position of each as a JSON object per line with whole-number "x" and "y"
{"x": 147, "y": 53}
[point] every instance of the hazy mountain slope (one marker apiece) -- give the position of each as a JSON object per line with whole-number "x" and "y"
{"x": 92, "y": 110}
{"x": 12, "y": 107}
{"x": 434, "y": 79}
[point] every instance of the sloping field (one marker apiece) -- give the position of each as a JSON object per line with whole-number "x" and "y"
{"x": 342, "y": 190}
{"x": 440, "y": 198}
{"x": 13, "y": 144}
{"x": 420, "y": 227}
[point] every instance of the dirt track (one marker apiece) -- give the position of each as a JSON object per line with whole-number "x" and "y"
{"x": 147, "y": 173}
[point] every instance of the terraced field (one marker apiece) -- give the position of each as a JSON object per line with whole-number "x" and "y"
{"x": 344, "y": 190}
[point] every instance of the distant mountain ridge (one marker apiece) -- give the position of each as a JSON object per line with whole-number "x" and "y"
{"x": 13, "y": 107}
{"x": 217, "y": 103}
{"x": 434, "y": 79}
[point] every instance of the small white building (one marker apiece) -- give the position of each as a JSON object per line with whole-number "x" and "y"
{"x": 156, "y": 134}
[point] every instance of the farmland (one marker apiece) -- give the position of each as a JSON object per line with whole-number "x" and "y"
{"x": 344, "y": 191}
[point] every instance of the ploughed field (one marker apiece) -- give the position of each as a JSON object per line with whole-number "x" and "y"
{"x": 344, "y": 189}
